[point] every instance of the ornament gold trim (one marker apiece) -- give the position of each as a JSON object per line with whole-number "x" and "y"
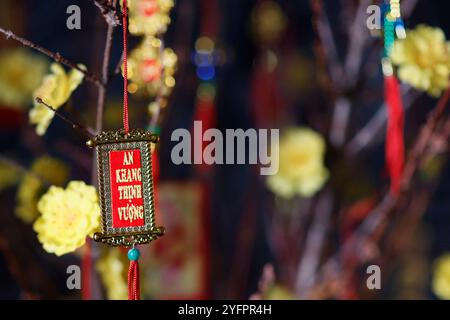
{"x": 130, "y": 240}
{"x": 116, "y": 136}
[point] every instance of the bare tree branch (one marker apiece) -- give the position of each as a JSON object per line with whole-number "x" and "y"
{"x": 314, "y": 242}
{"x": 369, "y": 133}
{"x": 358, "y": 37}
{"x": 389, "y": 202}
{"x": 105, "y": 76}
{"x": 109, "y": 12}
{"x": 54, "y": 55}
{"x": 86, "y": 130}
{"x": 322, "y": 28}
{"x": 424, "y": 139}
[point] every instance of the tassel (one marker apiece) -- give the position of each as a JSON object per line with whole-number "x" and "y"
{"x": 394, "y": 135}
{"x": 134, "y": 291}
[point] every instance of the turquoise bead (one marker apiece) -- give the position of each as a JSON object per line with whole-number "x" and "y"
{"x": 133, "y": 254}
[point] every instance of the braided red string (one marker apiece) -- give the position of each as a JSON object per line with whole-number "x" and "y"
{"x": 125, "y": 68}
{"x": 133, "y": 271}
{"x": 133, "y": 281}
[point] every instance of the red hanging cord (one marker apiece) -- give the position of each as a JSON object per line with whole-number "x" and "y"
{"x": 395, "y": 150}
{"x": 133, "y": 254}
{"x": 125, "y": 67}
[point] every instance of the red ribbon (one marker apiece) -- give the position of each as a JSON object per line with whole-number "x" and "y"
{"x": 134, "y": 291}
{"x": 395, "y": 149}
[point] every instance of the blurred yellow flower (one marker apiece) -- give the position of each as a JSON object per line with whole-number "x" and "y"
{"x": 441, "y": 277}
{"x": 149, "y": 17}
{"x": 21, "y": 73}
{"x": 151, "y": 70}
{"x": 44, "y": 168}
{"x": 113, "y": 272}
{"x": 274, "y": 292}
{"x": 27, "y": 197}
{"x": 278, "y": 292}
{"x": 68, "y": 216}
{"x": 301, "y": 169}
{"x": 9, "y": 175}
{"x": 55, "y": 90}
{"x": 423, "y": 59}
{"x": 268, "y": 21}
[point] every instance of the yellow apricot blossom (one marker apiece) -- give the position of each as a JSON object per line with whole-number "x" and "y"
{"x": 27, "y": 197}
{"x": 151, "y": 68}
{"x": 44, "y": 169}
{"x": 55, "y": 90}
{"x": 21, "y": 73}
{"x": 9, "y": 175}
{"x": 423, "y": 59}
{"x": 278, "y": 292}
{"x": 149, "y": 17}
{"x": 112, "y": 269}
{"x": 441, "y": 277}
{"x": 301, "y": 168}
{"x": 67, "y": 217}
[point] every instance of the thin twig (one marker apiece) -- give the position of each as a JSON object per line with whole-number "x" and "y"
{"x": 339, "y": 121}
{"x": 86, "y": 130}
{"x": 109, "y": 12}
{"x": 343, "y": 107}
{"x": 54, "y": 55}
{"x": 266, "y": 281}
{"x": 358, "y": 35}
{"x": 322, "y": 28}
{"x": 330, "y": 269}
{"x": 423, "y": 141}
{"x": 445, "y": 132}
{"x": 314, "y": 242}
{"x": 92, "y": 276}
{"x": 105, "y": 75}
{"x": 366, "y": 135}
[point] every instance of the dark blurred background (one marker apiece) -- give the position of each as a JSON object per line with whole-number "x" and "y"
{"x": 272, "y": 78}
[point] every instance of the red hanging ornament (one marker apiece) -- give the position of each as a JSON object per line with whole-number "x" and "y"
{"x": 395, "y": 149}
{"x": 126, "y": 185}
{"x": 394, "y": 135}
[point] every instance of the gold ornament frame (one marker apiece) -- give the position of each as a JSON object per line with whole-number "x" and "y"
{"x": 115, "y": 141}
